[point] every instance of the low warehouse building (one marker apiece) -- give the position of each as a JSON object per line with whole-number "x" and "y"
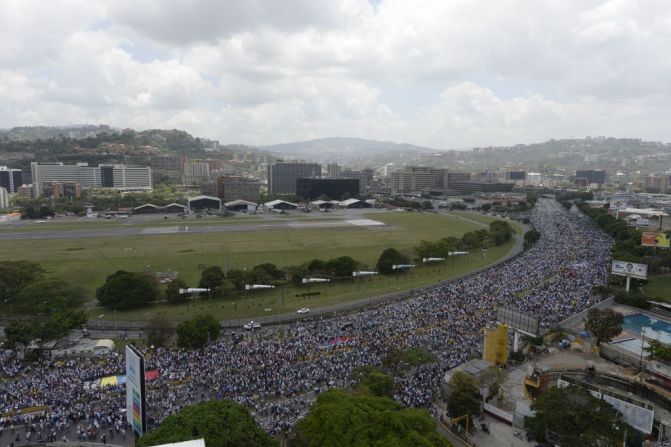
{"x": 203, "y": 203}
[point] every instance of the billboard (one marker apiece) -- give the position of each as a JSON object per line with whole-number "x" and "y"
{"x": 520, "y": 321}
{"x": 136, "y": 407}
{"x": 632, "y": 269}
{"x": 650, "y": 239}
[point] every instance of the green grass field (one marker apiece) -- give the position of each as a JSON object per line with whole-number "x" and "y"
{"x": 659, "y": 287}
{"x": 88, "y": 261}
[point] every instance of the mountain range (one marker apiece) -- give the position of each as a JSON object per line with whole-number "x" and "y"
{"x": 341, "y": 149}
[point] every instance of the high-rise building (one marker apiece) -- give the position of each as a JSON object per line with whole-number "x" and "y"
{"x": 238, "y": 188}
{"x": 282, "y": 176}
{"x": 196, "y": 173}
{"x": 591, "y": 176}
{"x": 119, "y": 177}
{"x": 659, "y": 183}
{"x": 10, "y": 179}
{"x": 333, "y": 170}
{"x": 4, "y": 198}
{"x": 362, "y": 176}
{"x": 418, "y": 179}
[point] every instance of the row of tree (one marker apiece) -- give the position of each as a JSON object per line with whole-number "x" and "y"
{"x": 499, "y": 233}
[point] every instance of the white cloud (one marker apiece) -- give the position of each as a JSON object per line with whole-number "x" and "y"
{"x": 264, "y": 71}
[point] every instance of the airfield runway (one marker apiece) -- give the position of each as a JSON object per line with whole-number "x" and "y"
{"x": 185, "y": 228}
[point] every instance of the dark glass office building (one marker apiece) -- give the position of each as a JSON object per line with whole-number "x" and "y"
{"x": 333, "y": 188}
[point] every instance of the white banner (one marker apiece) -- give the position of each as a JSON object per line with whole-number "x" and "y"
{"x": 632, "y": 269}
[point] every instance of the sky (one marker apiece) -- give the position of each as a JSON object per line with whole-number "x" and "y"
{"x": 447, "y": 74}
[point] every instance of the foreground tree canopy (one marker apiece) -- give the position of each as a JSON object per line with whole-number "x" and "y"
{"x": 126, "y": 290}
{"x": 341, "y": 418}
{"x": 572, "y": 416}
{"x": 222, "y": 423}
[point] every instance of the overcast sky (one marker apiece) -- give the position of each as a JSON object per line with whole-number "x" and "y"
{"x": 442, "y": 73}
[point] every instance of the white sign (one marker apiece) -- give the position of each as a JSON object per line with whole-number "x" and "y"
{"x": 363, "y": 273}
{"x": 632, "y": 269}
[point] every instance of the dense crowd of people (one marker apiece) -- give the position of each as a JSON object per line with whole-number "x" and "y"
{"x": 278, "y": 371}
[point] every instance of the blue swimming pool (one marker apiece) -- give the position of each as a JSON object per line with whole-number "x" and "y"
{"x": 649, "y": 327}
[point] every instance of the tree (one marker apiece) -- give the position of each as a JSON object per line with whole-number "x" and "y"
{"x": 172, "y": 291}
{"x": 500, "y": 232}
{"x": 15, "y": 275}
{"x": 474, "y": 239}
{"x": 237, "y": 278}
{"x": 372, "y": 380}
{"x": 658, "y": 350}
{"x": 464, "y": 397}
{"x": 388, "y": 259}
{"x": 400, "y": 360}
{"x": 316, "y": 265}
{"x": 197, "y": 332}
{"x": 270, "y": 270}
{"x": 127, "y": 290}
{"x": 341, "y": 267}
{"x": 57, "y": 326}
{"x": 341, "y": 418}
{"x": 604, "y": 324}
{"x": 221, "y": 423}
{"x": 50, "y": 295}
{"x": 427, "y": 249}
{"x": 159, "y": 331}
{"x": 18, "y": 334}
{"x": 212, "y": 278}
{"x": 530, "y": 238}
{"x": 572, "y": 416}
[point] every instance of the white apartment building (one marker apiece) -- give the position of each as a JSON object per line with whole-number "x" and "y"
{"x": 533, "y": 178}
{"x": 119, "y": 177}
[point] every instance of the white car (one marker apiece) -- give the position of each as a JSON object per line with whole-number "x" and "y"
{"x": 251, "y": 326}
{"x": 303, "y": 310}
